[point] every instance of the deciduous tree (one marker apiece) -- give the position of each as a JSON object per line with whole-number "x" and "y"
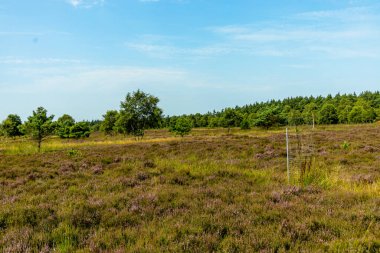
{"x": 11, "y": 126}
{"x": 138, "y": 112}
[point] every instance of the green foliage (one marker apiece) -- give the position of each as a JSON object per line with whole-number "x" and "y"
{"x": 328, "y": 114}
{"x": 357, "y": 114}
{"x": 63, "y": 126}
{"x": 230, "y": 118}
{"x": 295, "y": 118}
{"x": 138, "y": 112}
{"x": 214, "y": 122}
{"x": 11, "y": 126}
{"x": 182, "y": 126}
{"x": 269, "y": 117}
{"x": 80, "y": 130}
{"x": 109, "y": 122}
{"x": 245, "y": 124}
{"x": 39, "y": 125}
{"x": 309, "y": 113}
{"x": 343, "y": 114}
{"x": 295, "y": 111}
{"x": 346, "y": 145}
{"x": 73, "y": 153}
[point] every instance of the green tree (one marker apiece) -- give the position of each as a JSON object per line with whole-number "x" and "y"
{"x": 269, "y": 117}
{"x": 138, "y": 112}
{"x": 214, "y": 121}
{"x": 39, "y": 126}
{"x": 343, "y": 114}
{"x": 109, "y": 122}
{"x": 11, "y": 126}
{"x": 309, "y": 113}
{"x": 63, "y": 126}
{"x": 245, "y": 124}
{"x": 328, "y": 114}
{"x": 231, "y": 118}
{"x": 369, "y": 112}
{"x": 80, "y": 130}
{"x": 357, "y": 114}
{"x": 182, "y": 126}
{"x": 295, "y": 118}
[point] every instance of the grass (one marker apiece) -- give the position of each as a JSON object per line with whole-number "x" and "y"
{"x": 208, "y": 192}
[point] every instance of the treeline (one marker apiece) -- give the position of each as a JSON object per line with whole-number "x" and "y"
{"x": 343, "y": 109}
{"x": 139, "y": 111}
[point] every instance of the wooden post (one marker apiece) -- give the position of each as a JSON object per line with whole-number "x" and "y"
{"x": 287, "y": 155}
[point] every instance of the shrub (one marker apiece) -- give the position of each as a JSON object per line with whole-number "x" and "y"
{"x": 80, "y": 130}
{"x": 181, "y": 127}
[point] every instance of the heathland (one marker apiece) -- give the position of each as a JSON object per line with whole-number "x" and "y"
{"x": 206, "y": 192}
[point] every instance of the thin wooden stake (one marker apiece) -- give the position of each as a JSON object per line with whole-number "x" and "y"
{"x": 287, "y": 155}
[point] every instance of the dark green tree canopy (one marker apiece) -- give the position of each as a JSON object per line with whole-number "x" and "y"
{"x": 39, "y": 125}
{"x": 11, "y": 126}
{"x": 231, "y": 118}
{"x": 63, "y": 126}
{"x": 80, "y": 130}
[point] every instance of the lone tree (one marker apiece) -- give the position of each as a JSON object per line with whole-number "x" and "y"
{"x": 11, "y": 126}
{"x": 138, "y": 112}
{"x": 39, "y": 126}
{"x": 182, "y": 126}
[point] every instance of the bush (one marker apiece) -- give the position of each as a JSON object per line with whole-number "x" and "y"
{"x": 245, "y": 125}
{"x": 11, "y": 126}
{"x": 80, "y": 130}
{"x": 181, "y": 127}
{"x": 63, "y": 126}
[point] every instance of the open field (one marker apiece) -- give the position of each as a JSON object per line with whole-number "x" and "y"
{"x": 208, "y": 192}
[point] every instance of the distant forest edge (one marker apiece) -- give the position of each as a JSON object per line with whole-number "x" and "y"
{"x": 344, "y": 109}
{"x": 139, "y": 111}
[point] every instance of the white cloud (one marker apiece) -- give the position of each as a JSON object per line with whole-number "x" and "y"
{"x": 69, "y": 79}
{"x": 165, "y": 51}
{"x": 41, "y": 61}
{"x": 351, "y": 14}
{"x": 344, "y": 33}
{"x": 85, "y": 3}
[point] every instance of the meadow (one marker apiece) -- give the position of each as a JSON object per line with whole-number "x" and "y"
{"x": 207, "y": 192}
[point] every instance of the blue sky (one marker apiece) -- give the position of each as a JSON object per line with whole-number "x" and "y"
{"x": 81, "y": 57}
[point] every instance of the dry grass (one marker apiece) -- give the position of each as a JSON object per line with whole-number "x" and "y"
{"x": 209, "y": 192}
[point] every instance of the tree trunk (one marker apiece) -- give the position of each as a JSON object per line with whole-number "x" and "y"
{"x": 39, "y": 146}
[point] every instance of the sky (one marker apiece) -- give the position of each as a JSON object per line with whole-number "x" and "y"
{"x": 82, "y": 57}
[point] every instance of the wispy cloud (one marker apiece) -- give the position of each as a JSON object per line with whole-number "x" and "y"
{"x": 348, "y": 33}
{"x": 149, "y": 1}
{"x": 361, "y": 13}
{"x": 85, "y": 3}
{"x": 11, "y": 60}
{"x": 166, "y": 51}
{"x": 81, "y": 78}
